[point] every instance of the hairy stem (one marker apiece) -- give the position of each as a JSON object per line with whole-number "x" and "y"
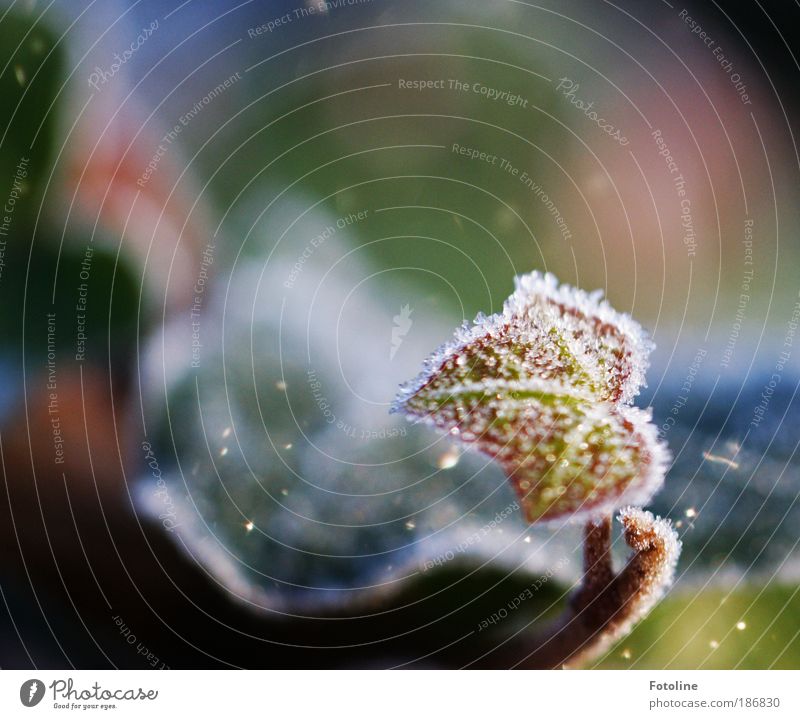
{"x": 607, "y": 604}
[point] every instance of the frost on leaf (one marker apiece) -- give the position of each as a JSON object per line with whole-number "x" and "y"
{"x": 542, "y": 388}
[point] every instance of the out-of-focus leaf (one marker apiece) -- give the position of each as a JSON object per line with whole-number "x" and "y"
{"x": 284, "y": 472}
{"x": 31, "y": 76}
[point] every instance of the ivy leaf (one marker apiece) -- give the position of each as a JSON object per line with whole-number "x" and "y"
{"x": 546, "y": 331}
{"x": 542, "y": 388}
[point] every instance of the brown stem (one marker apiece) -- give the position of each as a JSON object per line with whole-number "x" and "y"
{"x": 607, "y": 604}
{"x": 597, "y": 566}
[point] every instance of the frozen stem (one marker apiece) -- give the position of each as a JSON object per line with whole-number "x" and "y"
{"x": 608, "y": 604}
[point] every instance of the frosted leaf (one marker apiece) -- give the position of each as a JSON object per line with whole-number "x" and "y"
{"x": 545, "y": 331}
{"x": 565, "y": 456}
{"x": 542, "y": 389}
{"x": 613, "y": 344}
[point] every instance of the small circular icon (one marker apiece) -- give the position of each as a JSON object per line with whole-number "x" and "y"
{"x": 31, "y": 692}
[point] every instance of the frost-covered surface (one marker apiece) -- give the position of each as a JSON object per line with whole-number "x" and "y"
{"x": 546, "y": 331}
{"x": 542, "y": 388}
{"x": 288, "y": 478}
{"x": 609, "y": 603}
{"x": 644, "y": 531}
